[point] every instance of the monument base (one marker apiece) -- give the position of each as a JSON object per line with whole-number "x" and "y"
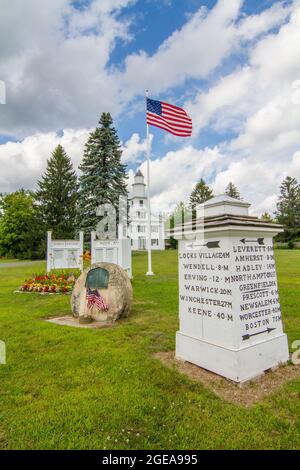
{"x": 238, "y": 365}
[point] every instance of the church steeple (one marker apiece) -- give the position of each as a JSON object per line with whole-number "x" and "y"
{"x": 138, "y": 187}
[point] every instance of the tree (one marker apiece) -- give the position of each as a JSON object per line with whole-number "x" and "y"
{"x": 179, "y": 216}
{"x": 57, "y": 195}
{"x": 104, "y": 177}
{"x": 232, "y": 191}
{"x": 267, "y": 217}
{"x": 200, "y": 194}
{"x": 21, "y": 235}
{"x": 288, "y": 207}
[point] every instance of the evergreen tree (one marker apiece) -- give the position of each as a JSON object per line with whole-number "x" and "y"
{"x": 200, "y": 194}
{"x": 232, "y": 191}
{"x": 57, "y": 195}
{"x": 288, "y": 208}
{"x": 267, "y": 217}
{"x": 103, "y": 178}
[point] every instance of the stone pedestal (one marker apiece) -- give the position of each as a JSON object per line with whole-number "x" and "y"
{"x": 230, "y": 317}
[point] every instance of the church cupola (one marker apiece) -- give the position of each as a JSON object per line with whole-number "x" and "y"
{"x": 139, "y": 187}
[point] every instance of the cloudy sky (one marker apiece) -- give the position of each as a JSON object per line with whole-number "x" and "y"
{"x": 234, "y": 65}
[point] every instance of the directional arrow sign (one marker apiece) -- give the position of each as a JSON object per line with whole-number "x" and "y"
{"x": 212, "y": 244}
{"x": 246, "y": 337}
{"x": 208, "y": 245}
{"x": 255, "y": 290}
{"x": 260, "y": 241}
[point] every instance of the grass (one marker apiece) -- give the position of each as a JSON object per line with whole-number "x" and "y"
{"x": 7, "y": 260}
{"x": 68, "y": 388}
{"x": 14, "y": 260}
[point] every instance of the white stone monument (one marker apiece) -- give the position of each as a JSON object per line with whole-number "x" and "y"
{"x": 117, "y": 251}
{"x": 64, "y": 254}
{"x": 230, "y": 317}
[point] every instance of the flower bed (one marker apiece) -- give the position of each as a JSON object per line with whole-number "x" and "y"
{"x": 53, "y": 283}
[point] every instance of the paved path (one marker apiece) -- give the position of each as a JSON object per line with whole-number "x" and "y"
{"x": 18, "y": 263}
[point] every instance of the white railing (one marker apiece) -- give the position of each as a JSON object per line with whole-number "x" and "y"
{"x": 64, "y": 254}
{"x": 116, "y": 251}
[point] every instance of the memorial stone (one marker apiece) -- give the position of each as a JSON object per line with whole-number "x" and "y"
{"x": 110, "y": 291}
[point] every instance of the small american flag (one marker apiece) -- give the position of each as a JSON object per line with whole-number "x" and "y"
{"x": 94, "y": 299}
{"x": 168, "y": 117}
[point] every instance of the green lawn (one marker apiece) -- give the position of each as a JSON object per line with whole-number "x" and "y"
{"x": 6, "y": 260}
{"x": 69, "y": 388}
{"x": 14, "y": 260}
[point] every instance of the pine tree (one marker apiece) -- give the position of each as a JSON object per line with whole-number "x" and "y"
{"x": 267, "y": 217}
{"x": 232, "y": 191}
{"x": 57, "y": 195}
{"x": 200, "y": 194}
{"x": 103, "y": 178}
{"x": 288, "y": 207}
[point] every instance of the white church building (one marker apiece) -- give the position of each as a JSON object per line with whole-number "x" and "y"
{"x": 138, "y": 219}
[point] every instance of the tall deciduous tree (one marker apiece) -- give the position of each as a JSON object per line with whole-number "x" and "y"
{"x": 103, "y": 178}
{"x": 288, "y": 207}
{"x": 232, "y": 191}
{"x": 21, "y": 234}
{"x": 57, "y": 195}
{"x": 200, "y": 194}
{"x": 181, "y": 215}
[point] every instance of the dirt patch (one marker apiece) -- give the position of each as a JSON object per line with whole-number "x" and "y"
{"x": 69, "y": 320}
{"x": 246, "y": 394}
{"x": 3, "y": 440}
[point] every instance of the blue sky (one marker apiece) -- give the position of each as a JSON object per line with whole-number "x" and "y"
{"x": 154, "y": 21}
{"x": 67, "y": 62}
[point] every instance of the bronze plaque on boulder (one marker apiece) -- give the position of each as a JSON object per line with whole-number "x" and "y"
{"x": 97, "y": 279}
{"x": 111, "y": 287}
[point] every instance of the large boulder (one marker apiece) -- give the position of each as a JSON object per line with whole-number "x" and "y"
{"x": 113, "y": 285}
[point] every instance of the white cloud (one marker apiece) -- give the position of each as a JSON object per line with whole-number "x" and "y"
{"x": 55, "y": 63}
{"x": 254, "y": 25}
{"x": 22, "y": 163}
{"x": 200, "y": 46}
{"x": 2, "y": 92}
{"x": 260, "y": 103}
{"x": 92, "y": 18}
{"x": 194, "y": 51}
{"x": 135, "y": 149}
{"x": 258, "y": 181}
{"x": 56, "y": 59}
{"x": 174, "y": 175}
{"x": 224, "y": 103}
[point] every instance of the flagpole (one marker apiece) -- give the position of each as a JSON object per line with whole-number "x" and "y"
{"x": 149, "y": 272}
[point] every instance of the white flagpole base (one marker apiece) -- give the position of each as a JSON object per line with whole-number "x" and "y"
{"x": 149, "y": 273}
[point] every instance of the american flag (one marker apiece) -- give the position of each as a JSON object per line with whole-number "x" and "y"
{"x": 94, "y": 299}
{"x": 168, "y": 117}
